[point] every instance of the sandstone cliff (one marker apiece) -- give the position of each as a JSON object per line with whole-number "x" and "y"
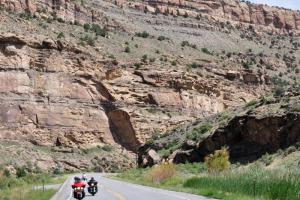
{"x": 232, "y": 10}
{"x": 67, "y": 90}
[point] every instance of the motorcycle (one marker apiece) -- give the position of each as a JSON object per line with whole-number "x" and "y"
{"x": 92, "y": 189}
{"x": 79, "y": 193}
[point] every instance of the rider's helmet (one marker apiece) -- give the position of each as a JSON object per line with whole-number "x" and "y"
{"x": 76, "y": 179}
{"x": 92, "y": 179}
{"x": 84, "y": 176}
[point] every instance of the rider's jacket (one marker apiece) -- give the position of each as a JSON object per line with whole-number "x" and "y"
{"x": 92, "y": 182}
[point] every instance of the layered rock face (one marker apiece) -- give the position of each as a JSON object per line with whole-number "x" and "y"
{"x": 53, "y": 94}
{"x": 79, "y": 91}
{"x": 232, "y": 10}
{"x": 48, "y": 95}
{"x": 67, "y": 10}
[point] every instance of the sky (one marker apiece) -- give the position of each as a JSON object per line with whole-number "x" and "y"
{"x": 293, "y": 4}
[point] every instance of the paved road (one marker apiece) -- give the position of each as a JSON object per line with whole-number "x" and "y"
{"x": 117, "y": 190}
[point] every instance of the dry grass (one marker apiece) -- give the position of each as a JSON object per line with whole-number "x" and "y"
{"x": 162, "y": 172}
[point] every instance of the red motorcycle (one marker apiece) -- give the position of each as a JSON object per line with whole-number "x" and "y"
{"x": 78, "y": 189}
{"x": 79, "y": 193}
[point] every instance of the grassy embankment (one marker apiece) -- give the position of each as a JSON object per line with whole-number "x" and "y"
{"x": 21, "y": 188}
{"x": 243, "y": 183}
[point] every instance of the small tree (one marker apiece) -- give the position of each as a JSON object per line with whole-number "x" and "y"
{"x": 205, "y": 50}
{"x": 87, "y": 27}
{"x": 6, "y": 173}
{"x": 144, "y": 58}
{"x": 218, "y": 161}
{"x": 127, "y": 49}
{"x": 21, "y": 172}
{"x": 143, "y": 34}
{"x": 60, "y": 35}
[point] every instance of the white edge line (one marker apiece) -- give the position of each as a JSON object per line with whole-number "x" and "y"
{"x": 60, "y": 189}
{"x": 70, "y": 195}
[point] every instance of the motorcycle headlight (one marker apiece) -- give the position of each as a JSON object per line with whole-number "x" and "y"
{"x": 92, "y": 184}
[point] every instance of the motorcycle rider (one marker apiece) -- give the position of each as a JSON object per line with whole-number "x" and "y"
{"x": 93, "y": 183}
{"x": 78, "y": 183}
{"x": 83, "y": 177}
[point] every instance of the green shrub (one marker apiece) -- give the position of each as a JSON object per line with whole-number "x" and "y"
{"x": 206, "y": 51}
{"x": 57, "y": 170}
{"x": 21, "y": 172}
{"x": 26, "y": 16}
{"x": 60, "y": 20}
{"x": 296, "y": 108}
{"x": 143, "y": 34}
{"x": 77, "y": 23}
{"x": 150, "y": 141}
{"x": 152, "y": 60}
{"x": 195, "y": 65}
{"x": 246, "y": 65}
{"x": 6, "y": 173}
{"x": 278, "y": 91}
{"x": 89, "y": 40}
{"x": 99, "y": 30}
{"x": 60, "y": 35}
{"x": 196, "y": 132}
{"x": 144, "y": 58}
{"x": 164, "y": 153}
{"x": 266, "y": 159}
{"x": 127, "y": 49}
{"x": 251, "y": 103}
{"x": 185, "y": 43}
{"x": 218, "y": 161}
{"x": 87, "y": 27}
{"x": 107, "y": 148}
{"x": 137, "y": 65}
{"x": 161, "y": 38}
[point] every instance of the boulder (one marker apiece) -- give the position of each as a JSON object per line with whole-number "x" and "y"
{"x": 149, "y": 158}
{"x": 11, "y": 50}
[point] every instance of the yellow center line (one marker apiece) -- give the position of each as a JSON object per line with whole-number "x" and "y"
{"x": 116, "y": 194}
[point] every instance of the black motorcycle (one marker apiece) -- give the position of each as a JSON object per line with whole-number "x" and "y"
{"x": 78, "y": 193}
{"x": 93, "y": 189}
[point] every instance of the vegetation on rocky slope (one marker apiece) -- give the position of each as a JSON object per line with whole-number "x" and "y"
{"x": 77, "y": 78}
{"x": 247, "y": 131}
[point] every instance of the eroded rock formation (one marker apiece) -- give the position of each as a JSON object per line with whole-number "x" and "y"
{"x": 232, "y": 10}
{"x": 248, "y": 138}
{"x": 53, "y": 94}
{"x": 250, "y": 134}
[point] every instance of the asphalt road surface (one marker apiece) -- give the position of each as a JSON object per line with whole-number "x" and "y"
{"x": 118, "y": 190}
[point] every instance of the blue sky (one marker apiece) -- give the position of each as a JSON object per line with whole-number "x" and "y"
{"x": 293, "y": 4}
